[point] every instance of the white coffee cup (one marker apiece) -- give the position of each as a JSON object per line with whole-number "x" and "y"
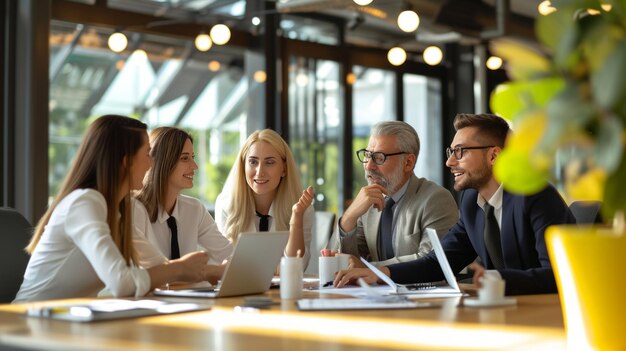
{"x": 328, "y": 267}
{"x": 344, "y": 261}
{"x": 492, "y": 289}
{"x": 291, "y": 282}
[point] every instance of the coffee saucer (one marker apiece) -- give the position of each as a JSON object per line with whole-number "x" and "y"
{"x": 475, "y": 302}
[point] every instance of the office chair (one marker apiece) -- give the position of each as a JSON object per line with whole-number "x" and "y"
{"x": 15, "y": 235}
{"x": 586, "y": 212}
{"x": 322, "y": 230}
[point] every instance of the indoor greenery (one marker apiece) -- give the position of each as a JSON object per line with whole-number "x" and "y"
{"x": 567, "y": 103}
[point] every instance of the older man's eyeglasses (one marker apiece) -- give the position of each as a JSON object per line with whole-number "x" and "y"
{"x": 458, "y": 151}
{"x": 379, "y": 158}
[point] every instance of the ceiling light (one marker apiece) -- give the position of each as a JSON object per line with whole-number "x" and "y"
{"x": 256, "y": 21}
{"x": 214, "y": 66}
{"x": 117, "y": 42}
{"x": 494, "y": 63}
{"x": 220, "y": 34}
{"x": 203, "y": 42}
{"x": 408, "y": 21}
{"x": 363, "y": 2}
{"x": 260, "y": 76}
{"x": 351, "y": 78}
{"x": 396, "y": 56}
{"x": 433, "y": 55}
{"x": 545, "y": 8}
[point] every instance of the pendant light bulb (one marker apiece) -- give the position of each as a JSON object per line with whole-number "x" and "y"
{"x": 396, "y": 56}
{"x": 203, "y": 42}
{"x": 408, "y": 21}
{"x": 117, "y": 42}
{"x": 220, "y": 34}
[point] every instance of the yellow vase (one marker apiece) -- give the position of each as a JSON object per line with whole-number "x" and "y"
{"x": 589, "y": 263}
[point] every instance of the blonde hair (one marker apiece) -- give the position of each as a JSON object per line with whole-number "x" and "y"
{"x": 102, "y": 163}
{"x": 241, "y": 207}
{"x": 167, "y": 145}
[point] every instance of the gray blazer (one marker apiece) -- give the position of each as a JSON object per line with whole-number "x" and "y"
{"x": 424, "y": 205}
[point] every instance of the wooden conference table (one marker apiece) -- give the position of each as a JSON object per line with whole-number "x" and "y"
{"x": 535, "y": 323}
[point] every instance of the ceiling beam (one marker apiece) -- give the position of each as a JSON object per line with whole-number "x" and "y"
{"x": 75, "y": 12}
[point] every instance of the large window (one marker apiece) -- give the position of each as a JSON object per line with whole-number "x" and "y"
{"x": 422, "y": 110}
{"x": 159, "y": 80}
{"x": 373, "y": 101}
{"x": 315, "y": 115}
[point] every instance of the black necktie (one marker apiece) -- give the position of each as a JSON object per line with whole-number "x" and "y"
{"x": 386, "y": 231}
{"x": 492, "y": 237}
{"x": 175, "y": 252}
{"x": 264, "y": 224}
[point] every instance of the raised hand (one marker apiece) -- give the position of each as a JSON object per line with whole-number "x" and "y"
{"x": 303, "y": 203}
{"x": 368, "y": 196}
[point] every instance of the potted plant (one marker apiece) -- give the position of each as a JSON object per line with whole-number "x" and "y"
{"x": 568, "y": 110}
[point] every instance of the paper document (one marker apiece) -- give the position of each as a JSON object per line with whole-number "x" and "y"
{"x": 107, "y": 309}
{"x": 355, "y": 304}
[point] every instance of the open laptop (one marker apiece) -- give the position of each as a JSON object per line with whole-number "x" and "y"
{"x": 249, "y": 271}
{"x": 425, "y": 289}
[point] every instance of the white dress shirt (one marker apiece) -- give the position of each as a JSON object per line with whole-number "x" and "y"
{"x": 196, "y": 231}
{"x": 76, "y": 255}
{"x": 221, "y": 215}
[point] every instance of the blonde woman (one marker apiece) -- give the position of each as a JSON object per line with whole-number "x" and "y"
{"x": 83, "y": 243}
{"x": 263, "y": 192}
{"x": 169, "y": 224}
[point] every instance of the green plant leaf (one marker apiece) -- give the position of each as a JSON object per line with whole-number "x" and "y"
{"x": 609, "y": 147}
{"x": 523, "y": 62}
{"x": 511, "y": 99}
{"x": 515, "y": 171}
{"x": 607, "y": 82}
{"x": 551, "y": 29}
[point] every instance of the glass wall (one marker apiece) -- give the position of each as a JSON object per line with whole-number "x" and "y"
{"x": 374, "y": 100}
{"x": 315, "y": 115}
{"x": 159, "y": 80}
{"x": 422, "y": 110}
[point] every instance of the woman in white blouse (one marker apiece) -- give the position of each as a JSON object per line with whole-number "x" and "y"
{"x": 263, "y": 192}
{"x": 160, "y": 205}
{"x": 83, "y": 243}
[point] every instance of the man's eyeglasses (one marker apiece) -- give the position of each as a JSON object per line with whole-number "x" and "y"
{"x": 379, "y": 158}
{"x": 458, "y": 151}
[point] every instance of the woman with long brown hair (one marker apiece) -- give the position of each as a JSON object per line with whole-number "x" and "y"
{"x": 83, "y": 243}
{"x": 169, "y": 224}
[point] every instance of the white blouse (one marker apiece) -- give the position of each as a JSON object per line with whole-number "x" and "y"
{"x": 196, "y": 231}
{"x": 76, "y": 255}
{"x": 221, "y": 215}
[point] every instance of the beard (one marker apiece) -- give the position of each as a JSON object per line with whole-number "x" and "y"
{"x": 391, "y": 183}
{"x": 474, "y": 180}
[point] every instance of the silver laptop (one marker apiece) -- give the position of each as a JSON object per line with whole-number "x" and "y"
{"x": 249, "y": 271}
{"x": 425, "y": 289}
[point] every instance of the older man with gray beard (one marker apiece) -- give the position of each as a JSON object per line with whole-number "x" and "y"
{"x": 386, "y": 221}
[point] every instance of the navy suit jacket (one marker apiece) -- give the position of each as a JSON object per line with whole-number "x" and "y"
{"x": 524, "y": 221}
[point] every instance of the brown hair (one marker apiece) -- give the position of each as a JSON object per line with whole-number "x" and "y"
{"x": 167, "y": 145}
{"x": 493, "y": 129}
{"x": 102, "y": 162}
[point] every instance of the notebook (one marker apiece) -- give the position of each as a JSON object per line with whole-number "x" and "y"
{"x": 249, "y": 271}
{"x": 421, "y": 289}
{"x": 108, "y": 309}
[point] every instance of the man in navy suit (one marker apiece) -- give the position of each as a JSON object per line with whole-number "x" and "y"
{"x": 519, "y": 255}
